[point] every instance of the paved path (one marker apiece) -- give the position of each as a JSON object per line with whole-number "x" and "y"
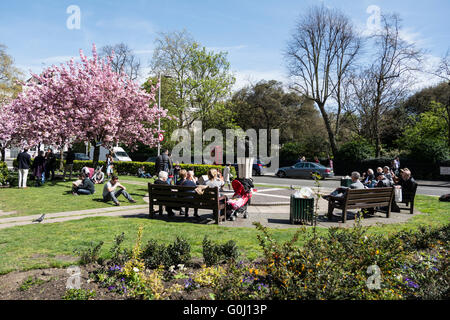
{"x": 270, "y": 207}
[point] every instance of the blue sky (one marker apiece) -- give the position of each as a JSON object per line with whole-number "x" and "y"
{"x": 254, "y": 33}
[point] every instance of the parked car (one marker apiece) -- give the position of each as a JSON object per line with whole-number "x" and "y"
{"x": 151, "y": 159}
{"x": 78, "y": 156}
{"x": 305, "y": 170}
{"x": 258, "y": 167}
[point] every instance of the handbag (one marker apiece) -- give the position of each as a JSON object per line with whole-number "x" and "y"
{"x": 398, "y": 193}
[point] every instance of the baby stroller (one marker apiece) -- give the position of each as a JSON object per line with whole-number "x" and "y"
{"x": 241, "y": 199}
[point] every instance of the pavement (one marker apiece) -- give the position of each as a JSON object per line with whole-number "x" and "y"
{"x": 269, "y": 206}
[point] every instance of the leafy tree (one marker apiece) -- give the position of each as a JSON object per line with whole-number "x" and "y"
{"x": 427, "y": 138}
{"x": 201, "y": 79}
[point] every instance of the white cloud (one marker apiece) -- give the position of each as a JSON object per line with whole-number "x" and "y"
{"x": 251, "y": 77}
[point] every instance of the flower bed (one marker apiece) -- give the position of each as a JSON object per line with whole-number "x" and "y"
{"x": 344, "y": 264}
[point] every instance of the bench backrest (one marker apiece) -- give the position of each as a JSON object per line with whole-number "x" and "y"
{"x": 369, "y": 197}
{"x": 181, "y": 196}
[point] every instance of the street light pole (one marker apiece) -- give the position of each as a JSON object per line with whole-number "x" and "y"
{"x": 159, "y": 116}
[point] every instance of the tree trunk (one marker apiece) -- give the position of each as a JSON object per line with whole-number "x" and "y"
{"x": 96, "y": 156}
{"x": 2, "y": 151}
{"x": 331, "y": 135}
{"x": 61, "y": 159}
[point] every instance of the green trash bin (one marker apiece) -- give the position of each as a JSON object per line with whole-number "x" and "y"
{"x": 302, "y": 210}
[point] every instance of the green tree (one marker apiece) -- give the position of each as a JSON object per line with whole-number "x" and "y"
{"x": 426, "y": 138}
{"x": 202, "y": 80}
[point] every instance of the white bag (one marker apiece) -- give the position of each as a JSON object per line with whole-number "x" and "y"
{"x": 304, "y": 193}
{"x": 398, "y": 193}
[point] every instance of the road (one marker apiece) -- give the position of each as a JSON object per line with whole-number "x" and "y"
{"x": 329, "y": 183}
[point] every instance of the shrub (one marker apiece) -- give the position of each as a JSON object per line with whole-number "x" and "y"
{"x": 355, "y": 150}
{"x": 216, "y": 253}
{"x": 155, "y": 254}
{"x": 89, "y": 254}
{"x": 4, "y": 173}
{"x": 429, "y": 150}
{"x": 78, "y": 294}
{"x": 118, "y": 255}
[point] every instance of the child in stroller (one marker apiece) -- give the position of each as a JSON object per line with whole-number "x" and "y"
{"x": 241, "y": 199}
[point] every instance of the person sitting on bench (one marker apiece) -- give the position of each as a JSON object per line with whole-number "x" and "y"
{"x": 186, "y": 180}
{"x": 356, "y": 184}
{"x": 162, "y": 179}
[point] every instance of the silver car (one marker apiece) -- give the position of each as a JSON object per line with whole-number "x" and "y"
{"x": 305, "y": 170}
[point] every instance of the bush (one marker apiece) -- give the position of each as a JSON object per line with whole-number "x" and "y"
{"x": 155, "y": 255}
{"x": 355, "y": 150}
{"x": 216, "y": 253}
{"x": 90, "y": 254}
{"x": 4, "y": 173}
{"x": 429, "y": 150}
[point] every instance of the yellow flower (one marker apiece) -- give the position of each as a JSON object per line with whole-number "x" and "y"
{"x": 377, "y": 252}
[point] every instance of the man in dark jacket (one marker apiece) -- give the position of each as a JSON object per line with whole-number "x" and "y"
{"x": 163, "y": 162}
{"x": 86, "y": 187}
{"x": 69, "y": 163}
{"x": 50, "y": 164}
{"x": 24, "y": 164}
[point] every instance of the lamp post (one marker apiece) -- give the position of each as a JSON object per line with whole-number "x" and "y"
{"x": 159, "y": 109}
{"x": 159, "y": 117}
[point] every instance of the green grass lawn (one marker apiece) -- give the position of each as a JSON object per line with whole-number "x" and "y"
{"x": 37, "y": 246}
{"x": 57, "y": 197}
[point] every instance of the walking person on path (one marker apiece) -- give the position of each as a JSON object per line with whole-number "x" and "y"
{"x": 163, "y": 163}
{"x": 24, "y": 164}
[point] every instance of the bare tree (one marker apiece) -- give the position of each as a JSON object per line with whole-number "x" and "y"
{"x": 383, "y": 84}
{"x": 320, "y": 52}
{"x": 443, "y": 72}
{"x": 123, "y": 60}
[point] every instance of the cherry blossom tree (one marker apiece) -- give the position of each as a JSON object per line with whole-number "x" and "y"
{"x": 83, "y": 101}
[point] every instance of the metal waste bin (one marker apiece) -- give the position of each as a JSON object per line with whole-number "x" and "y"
{"x": 346, "y": 182}
{"x": 302, "y": 210}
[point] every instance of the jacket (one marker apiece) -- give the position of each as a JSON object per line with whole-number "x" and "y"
{"x": 24, "y": 160}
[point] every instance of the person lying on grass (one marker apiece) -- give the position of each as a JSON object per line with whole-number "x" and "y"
{"x": 85, "y": 188}
{"x": 110, "y": 191}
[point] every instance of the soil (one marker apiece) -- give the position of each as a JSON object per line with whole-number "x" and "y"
{"x": 51, "y": 283}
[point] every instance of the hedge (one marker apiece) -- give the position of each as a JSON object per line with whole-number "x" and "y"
{"x": 4, "y": 173}
{"x": 131, "y": 168}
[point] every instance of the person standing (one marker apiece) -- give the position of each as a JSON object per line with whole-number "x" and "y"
{"x": 109, "y": 165}
{"x": 24, "y": 164}
{"x": 50, "y": 163}
{"x": 70, "y": 157}
{"x": 39, "y": 168}
{"x": 227, "y": 175}
{"x": 163, "y": 163}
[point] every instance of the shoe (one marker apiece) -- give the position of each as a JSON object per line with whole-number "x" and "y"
{"x": 132, "y": 201}
{"x": 117, "y": 204}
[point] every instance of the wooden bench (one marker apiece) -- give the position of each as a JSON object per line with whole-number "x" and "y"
{"x": 375, "y": 198}
{"x": 408, "y": 198}
{"x": 186, "y": 197}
